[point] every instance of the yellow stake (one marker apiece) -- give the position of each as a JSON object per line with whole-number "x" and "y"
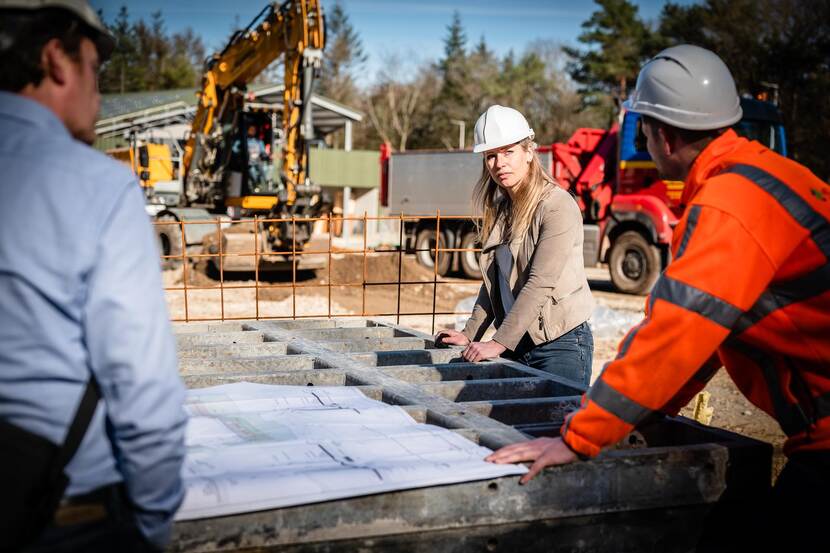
{"x": 702, "y": 412}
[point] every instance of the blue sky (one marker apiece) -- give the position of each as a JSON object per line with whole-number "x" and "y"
{"x": 413, "y": 32}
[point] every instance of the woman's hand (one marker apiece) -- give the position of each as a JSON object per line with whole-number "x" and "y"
{"x": 545, "y": 452}
{"x": 482, "y": 351}
{"x": 452, "y": 338}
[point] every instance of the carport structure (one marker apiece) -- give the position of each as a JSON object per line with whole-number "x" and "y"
{"x": 167, "y": 114}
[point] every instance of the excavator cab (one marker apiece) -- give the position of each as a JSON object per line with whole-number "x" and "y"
{"x": 248, "y": 178}
{"x": 252, "y": 157}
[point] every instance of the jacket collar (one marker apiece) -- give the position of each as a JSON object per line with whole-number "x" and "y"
{"x": 495, "y": 237}
{"x": 712, "y": 160}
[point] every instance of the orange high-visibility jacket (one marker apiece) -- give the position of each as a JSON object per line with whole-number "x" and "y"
{"x": 748, "y": 288}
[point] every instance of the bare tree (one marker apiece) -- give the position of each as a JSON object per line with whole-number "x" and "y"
{"x": 395, "y": 104}
{"x": 391, "y": 110}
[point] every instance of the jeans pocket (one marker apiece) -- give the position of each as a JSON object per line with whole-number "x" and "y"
{"x": 570, "y": 337}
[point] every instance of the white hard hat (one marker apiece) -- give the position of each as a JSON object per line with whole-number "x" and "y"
{"x": 687, "y": 87}
{"x": 500, "y": 126}
{"x": 104, "y": 41}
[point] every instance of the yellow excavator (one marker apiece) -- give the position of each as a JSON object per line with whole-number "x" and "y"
{"x": 226, "y": 165}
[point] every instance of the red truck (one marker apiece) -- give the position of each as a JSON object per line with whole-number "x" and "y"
{"x": 629, "y": 213}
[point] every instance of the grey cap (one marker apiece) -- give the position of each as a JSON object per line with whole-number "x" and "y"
{"x": 104, "y": 41}
{"x": 687, "y": 87}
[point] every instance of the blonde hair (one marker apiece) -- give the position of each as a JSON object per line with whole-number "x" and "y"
{"x": 517, "y": 213}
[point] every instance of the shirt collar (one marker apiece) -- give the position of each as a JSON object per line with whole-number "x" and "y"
{"x": 15, "y": 106}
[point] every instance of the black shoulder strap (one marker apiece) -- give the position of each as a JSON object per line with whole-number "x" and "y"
{"x": 83, "y": 416}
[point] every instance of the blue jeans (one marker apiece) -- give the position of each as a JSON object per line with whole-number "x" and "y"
{"x": 569, "y": 356}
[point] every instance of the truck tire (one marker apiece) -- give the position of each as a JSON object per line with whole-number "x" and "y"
{"x": 425, "y": 250}
{"x": 469, "y": 260}
{"x": 634, "y": 263}
{"x": 170, "y": 241}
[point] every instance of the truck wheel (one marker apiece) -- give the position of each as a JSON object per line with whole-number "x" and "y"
{"x": 469, "y": 260}
{"x": 634, "y": 263}
{"x": 170, "y": 241}
{"x": 425, "y": 246}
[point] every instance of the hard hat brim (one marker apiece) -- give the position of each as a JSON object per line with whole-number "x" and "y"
{"x": 495, "y": 145}
{"x": 695, "y": 121}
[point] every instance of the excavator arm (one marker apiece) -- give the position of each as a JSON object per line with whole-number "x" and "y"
{"x": 293, "y": 29}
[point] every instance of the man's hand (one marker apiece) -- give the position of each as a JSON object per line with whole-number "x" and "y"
{"x": 452, "y": 338}
{"x": 482, "y": 351}
{"x": 545, "y": 452}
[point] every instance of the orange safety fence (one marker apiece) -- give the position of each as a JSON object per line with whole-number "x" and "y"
{"x": 197, "y": 261}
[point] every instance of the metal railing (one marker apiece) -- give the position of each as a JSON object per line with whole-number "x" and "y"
{"x": 213, "y": 252}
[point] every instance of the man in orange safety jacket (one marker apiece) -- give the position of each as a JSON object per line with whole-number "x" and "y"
{"x": 748, "y": 289}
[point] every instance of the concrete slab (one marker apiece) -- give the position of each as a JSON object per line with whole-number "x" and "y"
{"x": 213, "y": 338}
{"x": 232, "y": 350}
{"x": 237, "y": 364}
{"x": 199, "y": 328}
{"x": 376, "y": 344}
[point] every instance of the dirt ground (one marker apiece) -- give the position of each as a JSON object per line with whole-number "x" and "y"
{"x": 358, "y": 287}
{"x": 356, "y": 290}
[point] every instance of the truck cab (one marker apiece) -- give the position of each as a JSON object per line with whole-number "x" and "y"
{"x": 644, "y": 209}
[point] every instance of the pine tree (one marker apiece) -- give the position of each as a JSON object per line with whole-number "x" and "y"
{"x": 146, "y": 57}
{"x": 343, "y": 59}
{"x": 617, "y": 40}
{"x": 454, "y": 45}
{"x": 483, "y": 86}
{"x": 186, "y": 54}
{"x": 453, "y": 102}
{"x": 119, "y": 74}
{"x": 159, "y": 51}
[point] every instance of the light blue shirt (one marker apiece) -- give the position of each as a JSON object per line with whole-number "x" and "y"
{"x": 81, "y": 291}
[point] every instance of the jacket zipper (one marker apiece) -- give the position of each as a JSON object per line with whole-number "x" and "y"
{"x": 541, "y": 318}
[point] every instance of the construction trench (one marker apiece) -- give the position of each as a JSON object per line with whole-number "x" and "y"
{"x": 664, "y": 489}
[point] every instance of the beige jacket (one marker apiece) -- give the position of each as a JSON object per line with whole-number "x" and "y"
{"x": 548, "y": 278}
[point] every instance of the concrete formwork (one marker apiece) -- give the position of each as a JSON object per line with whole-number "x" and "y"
{"x": 660, "y": 490}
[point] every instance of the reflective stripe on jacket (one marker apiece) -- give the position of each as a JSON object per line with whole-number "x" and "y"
{"x": 748, "y": 288}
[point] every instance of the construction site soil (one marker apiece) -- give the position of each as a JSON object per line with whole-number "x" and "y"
{"x": 357, "y": 289}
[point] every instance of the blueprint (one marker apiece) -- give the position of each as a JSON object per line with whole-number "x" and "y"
{"x": 254, "y": 446}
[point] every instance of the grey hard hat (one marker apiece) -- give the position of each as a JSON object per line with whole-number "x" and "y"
{"x": 104, "y": 41}
{"x": 687, "y": 87}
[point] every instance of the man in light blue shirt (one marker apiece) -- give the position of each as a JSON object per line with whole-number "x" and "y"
{"x": 80, "y": 285}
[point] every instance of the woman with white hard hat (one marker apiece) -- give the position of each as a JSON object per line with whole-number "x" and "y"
{"x": 534, "y": 289}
